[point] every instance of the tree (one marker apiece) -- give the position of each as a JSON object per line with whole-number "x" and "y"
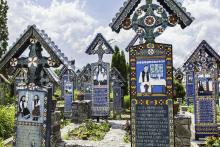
{"x": 124, "y": 71}
{"x": 3, "y": 27}
{"x": 119, "y": 62}
{"x": 179, "y": 91}
{"x": 116, "y": 58}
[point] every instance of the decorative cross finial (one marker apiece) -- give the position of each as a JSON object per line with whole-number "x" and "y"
{"x": 150, "y": 20}
{"x": 35, "y": 63}
{"x": 97, "y": 47}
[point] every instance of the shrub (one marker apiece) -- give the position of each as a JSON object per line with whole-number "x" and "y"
{"x": 7, "y": 97}
{"x": 127, "y": 128}
{"x": 179, "y": 90}
{"x": 57, "y": 94}
{"x": 7, "y": 114}
{"x": 90, "y": 131}
{"x": 65, "y": 123}
{"x": 190, "y": 109}
{"x": 212, "y": 142}
{"x": 1, "y": 142}
{"x": 127, "y": 102}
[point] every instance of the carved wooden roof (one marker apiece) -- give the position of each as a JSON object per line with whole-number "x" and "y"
{"x": 171, "y": 6}
{"x": 23, "y": 42}
{"x": 208, "y": 49}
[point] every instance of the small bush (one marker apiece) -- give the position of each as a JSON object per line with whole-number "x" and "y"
{"x": 190, "y": 109}
{"x": 90, "y": 131}
{"x": 7, "y": 114}
{"x": 212, "y": 142}
{"x": 218, "y": 114}
{"x": 1, "y": 142}
{"x": 111, "y": 99}
{"x": 127, "y": 102}
{"x": 127, "y": 128}
{"x": 127, "y": 138}
{"x": 57, "y": 94}
{"x": 65, "y": 123}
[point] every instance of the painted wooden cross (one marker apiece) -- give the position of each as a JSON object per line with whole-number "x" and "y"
{"x": 35, "y": 62}
{"x": 99, "y": 46}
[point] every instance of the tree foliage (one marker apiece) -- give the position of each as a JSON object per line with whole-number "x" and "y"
{"x": 6, "y": 94}
{"x": 119, "y": 62}
{"x": 7, "y": 114}
{"x": 179, "y": 91}
{"x": 3, "y": 27}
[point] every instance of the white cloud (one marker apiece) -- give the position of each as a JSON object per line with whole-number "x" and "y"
{"x": 65, "y": 22}
{"x": 205, "y": 27}
{"x": 68, "y": 24}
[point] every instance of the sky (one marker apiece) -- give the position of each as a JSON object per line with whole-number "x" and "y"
{"x": 73, "y": 24}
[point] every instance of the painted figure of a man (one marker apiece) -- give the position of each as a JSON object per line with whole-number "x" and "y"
{"x": 144, "y": 80}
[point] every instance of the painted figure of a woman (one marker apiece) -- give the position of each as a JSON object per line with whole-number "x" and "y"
{"x": 36, "y": 108}
{"x": 25, "y": 113}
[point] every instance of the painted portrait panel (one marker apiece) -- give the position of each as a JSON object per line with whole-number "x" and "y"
{"x": 100, "y": 76}
{"x": 151, "y": 76}
{"x": 204, "y": 85}
{"x": 30, "y": 106}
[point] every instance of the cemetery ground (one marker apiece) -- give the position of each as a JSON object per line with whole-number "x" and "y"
{"x": 90, "y": 133}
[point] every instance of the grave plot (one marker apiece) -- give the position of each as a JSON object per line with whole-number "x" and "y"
{"x": 33, "y": 101}
{"x": 100, "y": 76}
{"x": 202, "y": 87}
{"x": 151, "y": 77}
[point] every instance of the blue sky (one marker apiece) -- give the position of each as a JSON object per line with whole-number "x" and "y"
{"x": 72, "y": 25}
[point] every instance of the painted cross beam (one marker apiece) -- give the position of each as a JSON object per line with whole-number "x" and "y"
{"x": 100, "y": 75}
{"x": 35, "y": 62}
{"x": 49, "y": 78}
{"x": 150, "y": 20}
{"x": 203, "y": 87}
{"x": 97, "y": 47}
{"x": 37, "y": 40}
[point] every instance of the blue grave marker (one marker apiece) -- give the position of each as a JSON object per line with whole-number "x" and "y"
{"x": 100, "y": 76}
{"x": 202, "y": 86}
{"x": 151, "y": 74}
{"x": 33, "y": 102}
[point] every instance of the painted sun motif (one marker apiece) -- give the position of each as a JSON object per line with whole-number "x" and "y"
{"x": 150, "y": 21}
